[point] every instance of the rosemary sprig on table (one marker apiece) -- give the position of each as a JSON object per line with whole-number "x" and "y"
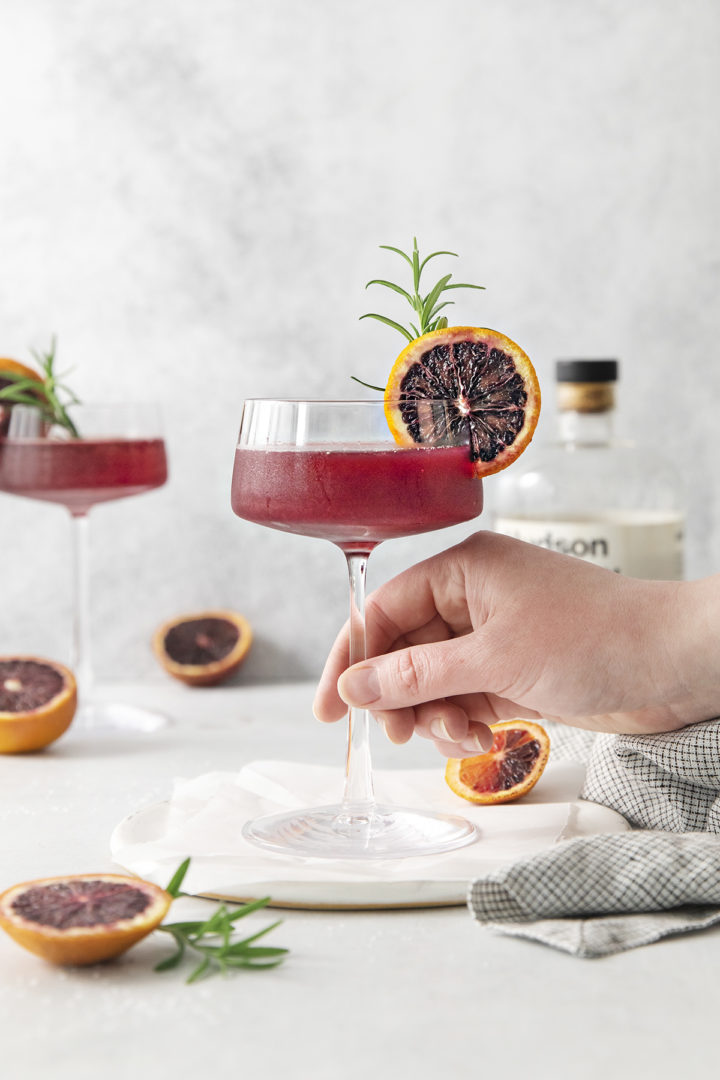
{"x": 211, "y": 938}
{"x": 48, "y": 393}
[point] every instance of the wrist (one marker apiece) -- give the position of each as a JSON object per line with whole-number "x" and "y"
{"x": 696, "y": 628}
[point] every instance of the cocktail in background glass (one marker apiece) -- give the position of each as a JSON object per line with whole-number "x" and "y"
{"x": 332, "y": 470}
{"x": 120, "y": 452}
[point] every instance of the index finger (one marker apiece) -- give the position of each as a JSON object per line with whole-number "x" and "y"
{"x": 328, "y": 705}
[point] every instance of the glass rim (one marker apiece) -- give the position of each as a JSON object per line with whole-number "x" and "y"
{"x": 344, "y": 401}
{"x": 130, "y": 403}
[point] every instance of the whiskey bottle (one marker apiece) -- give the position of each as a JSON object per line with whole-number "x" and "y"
{"x": 589, "y": 494}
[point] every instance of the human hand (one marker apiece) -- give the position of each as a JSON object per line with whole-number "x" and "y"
{"x": 495, "y": 629}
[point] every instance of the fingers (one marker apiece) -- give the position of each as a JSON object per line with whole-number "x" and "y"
{"x": 420, "y": 673}
{"x": 411, "y": 594}
{"x": 459, "y": 727}
{"x": 328, "y": 706}
{"x": 457, "y": 750}
{"x": 453, "y": 728}
{"x": 442, "y": 721}
{"x": 413, "y": 599}
{"x": 399, "y": 725}
{"x": 427, "y": 602}
{"x": 446, "y": 724}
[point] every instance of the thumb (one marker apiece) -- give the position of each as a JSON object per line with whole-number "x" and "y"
{"x": 411, "y": 676}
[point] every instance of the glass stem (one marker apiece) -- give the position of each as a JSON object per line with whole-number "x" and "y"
{"x": 81, "y": 610}
{"x": 358, "y": 793}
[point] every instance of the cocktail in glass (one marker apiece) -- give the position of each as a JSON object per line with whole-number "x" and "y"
{"x": 332, "y": 469}
{"x": 120, "y": 453}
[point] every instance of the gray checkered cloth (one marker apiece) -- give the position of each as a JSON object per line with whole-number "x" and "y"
{"x": 597, "y": 895}
{"x": 669, "y": 782}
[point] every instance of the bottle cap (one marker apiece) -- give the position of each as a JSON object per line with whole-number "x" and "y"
{"x": 586, "y": 371}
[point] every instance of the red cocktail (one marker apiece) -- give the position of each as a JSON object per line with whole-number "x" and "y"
{"x": 119, "y": 453}
{"x": 78, "y": 473}
{"x": 356, "y": 496}
{"x": 332, "y": 469}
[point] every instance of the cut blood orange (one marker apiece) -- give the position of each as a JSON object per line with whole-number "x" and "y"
{"x": 84, "y": 918}
{"x": 37, "y": 702}
{"x": 14, "y": 367}
{"x": 10, "y": 370}
{"x": 508, "y": 770}
{"x": 203, "y": 649}
{"x": 489, "y": 383}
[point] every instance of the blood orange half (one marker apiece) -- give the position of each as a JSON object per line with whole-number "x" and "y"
{"x": 84, "y": 918}
{"x": 37, "y": 702}
{"x": 203, "y": 649}
{"x": 489, "y": 383}
{"x": 508, "y": 770}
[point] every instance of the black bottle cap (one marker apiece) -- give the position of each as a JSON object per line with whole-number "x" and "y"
{"x": 586, "y": 371}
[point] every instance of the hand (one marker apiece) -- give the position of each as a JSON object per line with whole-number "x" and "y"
{"x": 495, "y": 629}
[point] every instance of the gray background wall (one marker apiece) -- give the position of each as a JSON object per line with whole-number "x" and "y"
{"x": 192, "y": 195}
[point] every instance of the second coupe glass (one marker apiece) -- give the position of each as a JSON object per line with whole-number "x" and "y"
{"x": 120, "y": 452}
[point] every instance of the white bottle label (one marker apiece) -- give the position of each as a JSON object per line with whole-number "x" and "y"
{"x": 639, "y": 544}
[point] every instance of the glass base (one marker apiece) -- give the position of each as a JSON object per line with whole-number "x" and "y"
{"x": 376, "y": 832}
{"x": 118, "y": 718}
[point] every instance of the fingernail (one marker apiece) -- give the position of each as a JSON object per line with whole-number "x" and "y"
{"x": 474, "y": 743}
{"x": 380, "y": 719}
{"x": 439, "y": 731}
{"x": 359, "y": 686}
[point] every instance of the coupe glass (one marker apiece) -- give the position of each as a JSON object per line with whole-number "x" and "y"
{"x": 120, "y": 453}
{"x": 331, "y": 469}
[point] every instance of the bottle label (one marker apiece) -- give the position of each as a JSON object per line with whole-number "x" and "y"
{"x": 636, "y": 544}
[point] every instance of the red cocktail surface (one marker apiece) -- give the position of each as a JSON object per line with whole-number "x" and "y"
{"x": 356, "y": 494}
{"x": 81, "y": 472}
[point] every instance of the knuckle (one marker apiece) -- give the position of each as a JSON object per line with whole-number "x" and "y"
{"x": 411, "y": 671}
{"x": 378, "y": 621}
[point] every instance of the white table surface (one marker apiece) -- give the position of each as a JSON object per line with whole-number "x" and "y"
{"x": 422, "y": 993}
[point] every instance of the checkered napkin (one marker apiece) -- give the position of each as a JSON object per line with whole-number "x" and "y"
{"x": 669, "y": 782}
{"x": 597, "y": 895}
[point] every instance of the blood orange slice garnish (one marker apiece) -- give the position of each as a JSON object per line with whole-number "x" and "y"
{"x": 203, "y": 649}
{"x": 15, "y": 369}
{"x": 10, "y": 372}
{"x": 84, "y": 918}
{"x": 508, "y": 770}
{"x": 21, "y": 385}
{"x": 37, "y": 702}
{"x": 488, "y": 382}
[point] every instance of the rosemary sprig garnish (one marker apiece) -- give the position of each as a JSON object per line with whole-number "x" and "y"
{"x": 211, "y": 938}
{"x": 49, "y": 395}
{"x": 428, "y": 307}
